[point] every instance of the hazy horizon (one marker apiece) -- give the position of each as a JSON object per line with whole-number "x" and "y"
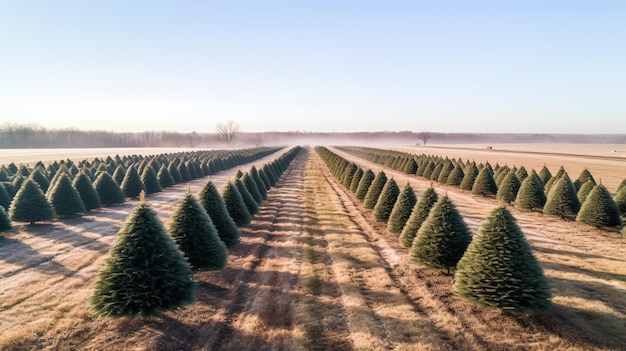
{"x": 487, "y": 67}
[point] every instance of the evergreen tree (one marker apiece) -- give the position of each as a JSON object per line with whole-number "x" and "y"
{"x": 456, "y": 176}
{"x": 402, "y": 210}
{"x": 173, "y": 169}
{"x": 108, "y": 189}
{"x": 410, "y": 167}
{"x": 256, "y": 176}
{"x": 5, "y": 223}
{"x": 484, "y": 184}
{"x": 386, "y": 201}
{"x": 347, "y": 174}
{"x": 371, "y": 198}
{"x": 599, "y": 209}
{"x": 150, "y": 181}
{"x": 499, "y": 269}
{"x": 507, "y": 192}
{"x": 87, "y": 191}
{"x": 584, "y": 190}
{"x": 521, "y": 173}
{"x": 584, "y": 176}
{"x": 65, "y": 198}
{"x": 544, "y": 175}
{"x": 214, "y": 205}
{"x": 428, "y": 169}
{"x": 442, "y": 238}
{"x": 252, "y": 188}
{"x": 418, "y": 215}
{"x": 554, "y": 179}
{"x": 364, "y": 184}
{"x": 620, "y": 201}
{"x": 448, "y": 166}
{"x": 132, "y": 184}
{"x": 562, "y": 200}
{"x": 239, "y": 174}
{"x": 30, "y": 204}
{"x": 471, "y": 172}
{"x": 5, "y": 198}
{"x": 435, "y": 174}
{"x": 354, "y": 184}
{"x": 248, "y": 200}
{"x": 40, "y": 179}
{"x": 165, "y": 177}
{"x": 145, "y": 274}
{"x": 184, "y": 172}
{"x": 621, "y": 186}
{"x": 235, "y": 205}
{"x": 265, "y": 179}
{"x": 196, "y": 236}
{"x": 530, "y": 194}
{"x": 118, "y": 174}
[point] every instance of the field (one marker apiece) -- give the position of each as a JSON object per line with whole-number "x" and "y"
{"x": 315, "y": 271}
{"x": 31, "y": 156}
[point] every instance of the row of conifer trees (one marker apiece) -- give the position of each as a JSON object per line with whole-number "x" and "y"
{"x": 495, "y": 267}
{"x": 67, "y": 189}
{"x": 584, "y": 199}
{"x": 150, "y": 268}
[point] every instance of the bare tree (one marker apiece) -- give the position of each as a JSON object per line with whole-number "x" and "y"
{"x": 227, "y": 131}
{"x": 424, "y": 136}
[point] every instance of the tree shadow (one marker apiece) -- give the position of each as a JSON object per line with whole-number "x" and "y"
{"x": 15, "y": 252}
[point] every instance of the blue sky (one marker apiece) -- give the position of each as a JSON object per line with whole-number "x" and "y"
{"x": 445, "y": 66}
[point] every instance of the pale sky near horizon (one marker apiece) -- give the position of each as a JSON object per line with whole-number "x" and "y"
{"x": 442, "y": 66}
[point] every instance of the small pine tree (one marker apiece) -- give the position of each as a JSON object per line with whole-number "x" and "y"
{"x": 410, "y": 167}
{"x": 214, "y": 205}
{"x": 235, "y": 205}
{"x": 530, "y": 194}
{"x": 145, "y": 274}
{"x": 554, "y": 179}
{"x": 132, "y": 185}
{"x": 621, "y": 186}
{"x": 252, "y": 188}
{"x": 544, "y": 175}
{"x": 108, "y": 189}
{"x": 30, "y": 204}
{"x": 402, "y": 210}
{"x": 599, "y": 209}
{"x": 150, "y": 181}
{"x": 265, "y": 179}
{"x": 364, "y": 184}
{"x": 386, "y": 201}
{"x": 371, "y": 198}
{"x": 584, "y": 190}
{"x": 521, "y": 173}
{"x": 184, "y": 172}
{"x": 484, "y": 184}
{"x": 584, "y": 176}
{"x": 418, "y": 215}
{"x": 5, "y": 198}
{"x": 40, "y": 179}
{"x": 456, "y": 176}
{"x": 251, "y": 204}
{"x": 87, "y": 191}
{"x": 165, "y": 177}
{"x": 620, "y": 201}
{"x": 196, "y": 236}
{"x": 118, "y": 174}
{"x": 507, "y": 192}
{"x": 499, "y": 268}
{"x": 175, "y": 173}
{"x": 471, "y": 172}
{"x": 65, "y": 198}
{"x": 442, "y": 238}
{"x": 256, "y": 176}
{"x": 356, "y": 178}
{"x": 5, "y": 223}
{"x": 562, "y": 200}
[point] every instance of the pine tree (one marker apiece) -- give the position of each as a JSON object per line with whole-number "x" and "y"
{"x": 5, "y": 223}
{"x": 145, "y": 274}
{"x": 530, "y": 194}
{"x": 235, "y": 205}
{"x": 165, "y": 177}
{"x": 150, "y": 181}
{"x": 40, "y": 179}
{"x": 410, "y": 167}
{"x": 484, "y": 184}
{"x": 108, "y": 189}
{"x": 418, "y": 215}
{"x": 30, "y": 204}
{"x": 621, "y": 186}
{"x": 521, "y": 173}
{"x": 544, "y": 175}
{"x": 256, "y": 176}
{"x": 354, "y": 184}
{"x": 402, "y": 210}
{"x": 5, "y": 198}
{"x": 456, "y": 176}
{"x": 620, "y": 201}
{"x": 87, "y": 191}
{"x": 184, "y": 172}
{"x": 499, "y": 269}
{"x": 554, "y": 179}
{"x": 118, "y": 174}
{"x": 371, "y": 198}
{"x": 562, "y": 200}
{"x": 214, "y": 205}
{"x": 248, "y": 200}
{"x": 599, "y": 209}
{"x": 132, "y": 184}
{"x": 584, "y": 190}
{"x": 252, "y": 188}
{"x": 65, "y": 198}
{"x": 265, "y": 179}
{"x": 386, "y": 201}
{"x": 196, "y": 236}
{"x": 364, "y": 184}
{"x": 471, "y": 172}
{"x": 442, "y": 238}
{"x": 584, "y": 176}
{"x": 507, "y": 192}
{"x": 175, "y": 173}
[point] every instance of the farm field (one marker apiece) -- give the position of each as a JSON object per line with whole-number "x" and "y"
{"x": 315, "y": 271}
{"x": 31, "y": 156}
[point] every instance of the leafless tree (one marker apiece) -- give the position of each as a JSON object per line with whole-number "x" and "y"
{"x": 227, "y": 131}
{"x": 424, "y": 136}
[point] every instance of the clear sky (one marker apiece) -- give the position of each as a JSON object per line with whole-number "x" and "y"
{"x": 443, "y": 66}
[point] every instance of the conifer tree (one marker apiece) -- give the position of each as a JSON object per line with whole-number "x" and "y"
{"x": 386, "y": 201}
{"x": 5, "y": 198}
{"x": 347, "y": 174}
{"x": 620, "y": 201}
{"x": 456, "y": 176}
{"x": 118, "y": 174}
{"x": 530, "y": 194}
{"x": 145, "y": 274}
{"x": 40, "y": 179}
{"x": 5, "y": 223}
{"x": 418, "y": 215}
{"x": 584, "y": 190}
{"x": 562, "y": 200}
{"x": 621, "y": 186}
{"x": 196, "y": 236}
{"x": 584, "y": 176}
{"x": 554, "y": 179}
{"x": 435, "y": 174}
{"x": 484, "y": 184}
{"x": 184, "y": 172}
{"x": 248, "y": 200}
{"x": 65, "y": 198}
{"x": 150, "y": 181}
{"x": 252, "y": 188}
{"x": 371, "y": 198}
{"x": 215, "y": 207}
{"x": 507, "y": 192}
{"x": 30, "y": 204}
{"x": 87, "y": 191}
{"x": 173, "y": 169}
{"x": 599, "y": 209}
{"x": 499, "y": 269}
{"x": 521, "y": 173}
{"x": 448, "y": 166}
{"x": 165, "y": 177}
{"x": 471, "y": 172}
{"x": 354, "y": 184}
{"x": 235, "y": 205}
{"x": 108, "y": 189}
{"x": 428, "y": 169}
{"x": 402, "y": 209}
{"x": 254, "y": 173}
{"x": 239, "y": 174}
{"x": 364, "y": 184}
{"x": 132, "y": 184}
{"x": 442, "y": 238}
{"x": 265, "y": 179}
{"x": 544, "y": 175}
{"x": 410, "y": 167}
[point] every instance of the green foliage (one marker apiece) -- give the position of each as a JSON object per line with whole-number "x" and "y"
{"x": 484, "y": 184}
{"x": 584, "y": 176}
{"x": 530, "y": 195}
{"x": 256, "y": 176}
{"x": 544, "y": 175}
{"x": 30, "y": 204}
{"x": 507, "y": 192}
{"x": 456, "y": 176}
{"x": 214, "y": 205}
{"x": 364, "y": 184}
{"x": 562, "y": 200}
{"x": 348, "y": 173}
{"x": 88, "y": 194}
{"x": 196, "y": 236}
{"x": 252, "y": 188}
{"x": 165, "y": 177}
{"x": 620, "y": 201}
{"x": 184, "y": 172}
{"x": 40, "y": 179}
{"x": 428, "y": 169}
{"x": 108, "y": 189}
{"x": 584, "y": 190}
{"x": 599, "y": 209}
{"x": 5, "y": 223}
{"x": 553, "y": 180}
{"x": 5, "y": 198}
{"x": 442, "y": 238}
{"x": 132, "y": 184}
{"x": 521, "y": 173}
{"x": 386, "y": 201}
{"x": 145, "y": 274}
{"x": 418, "y": 215}
{"x": 175, "y": 173}
{"x": 410, "y": 167}
{"x": 356, "y": 178}
{"x": 235, "y": 205}
{"x": 435, "y": 174}
{"x": 150, "y": 181}
{"x": 65, "y": 198}
{"x": 371, "y": 198}
{"x": 499, "y": 269}
{"x": 248, "y": 200}
{"x": 265, "y": 179}
{"x": 471, "y": 172}
{"x": 448, "y": 166}
{"x": 621, "y": 186}
{"x": 402, "y": 209}
{"x": 118, "y": 174}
